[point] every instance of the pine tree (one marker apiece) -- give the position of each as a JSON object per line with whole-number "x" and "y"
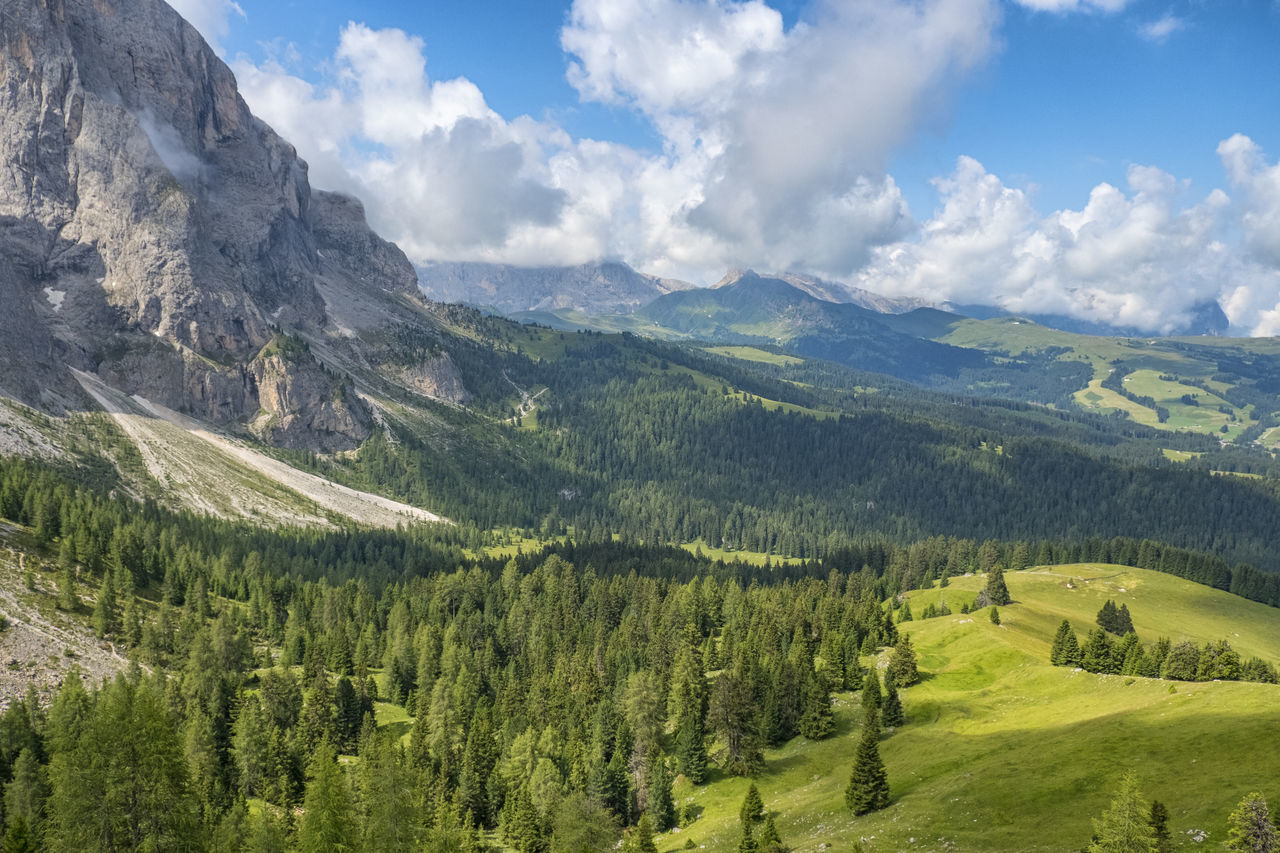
{"x": 903, "y": 669}
{"x": 118, "y": 778}
{"x": 26, "y": 793}
{"x": 818, "y": 720}
{"x": 328, "y": 822}
{"x": 1066, "y": 648}
{"x": 770, "y": 841}
{"x": 1125, "y": 827}
{"x": 747, "y": 844}
{"x": 1098, "y": 654}
{"x": 1159, "y": 820}
{"x": 904, "y": 612}
{"x": 105, "y": 610}
{"x": 995, "y": 615}
{"x": 639, "y": 839}
{"x": 1250, "y": 829}
{"x": 687, "y": 705}
{"x": 891, "y": 712}
{"x": 660, "y": 807}
{"x": 997, "y": 591}
{"x": 752, "y": 810}
{"x": 1124, "y": 622}
{"x": 68, "y": 598}
{"x": 871, "y": 698}
{"x": 523, "y": 828}
{"x": 868, "y": 788}
{"x": 1107, "y": 617}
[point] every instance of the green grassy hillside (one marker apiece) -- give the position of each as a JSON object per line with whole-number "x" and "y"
{"x": 1002, "y": 751}
{"x": 1205, "y": 384}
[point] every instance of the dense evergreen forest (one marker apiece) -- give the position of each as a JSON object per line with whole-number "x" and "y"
{"x": 548, "y": 693}
{"x": 669, "y": 444}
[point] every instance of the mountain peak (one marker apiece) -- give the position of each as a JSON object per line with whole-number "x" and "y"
{"x": 160, "y": 235}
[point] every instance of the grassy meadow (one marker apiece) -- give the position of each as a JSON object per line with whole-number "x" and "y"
{"x": 1002, "y": 751}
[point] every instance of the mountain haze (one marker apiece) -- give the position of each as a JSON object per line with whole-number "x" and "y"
{"x": 595, "y": 288}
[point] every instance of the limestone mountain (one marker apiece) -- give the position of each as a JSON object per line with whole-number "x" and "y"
{"x": 155, "y": 233}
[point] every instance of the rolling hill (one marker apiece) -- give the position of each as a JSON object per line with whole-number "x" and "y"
{"x": 1002, "y": 751}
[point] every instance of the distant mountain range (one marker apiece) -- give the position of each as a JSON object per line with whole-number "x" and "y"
{"x": 560, "y": 294}
{"x": 596, "y": 288}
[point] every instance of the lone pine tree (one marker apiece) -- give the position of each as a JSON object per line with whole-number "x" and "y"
{"x": 903, "y": 669}
{"x": 996, "y": 590}
{"x": 1125, "y": 827}
{"x": 868, "y": 788}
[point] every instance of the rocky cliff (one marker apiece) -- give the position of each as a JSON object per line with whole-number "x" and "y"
{"x": 156, "y": 233}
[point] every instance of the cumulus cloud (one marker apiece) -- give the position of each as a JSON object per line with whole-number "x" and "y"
{"x": 442, "y": 173}
{"x": 1160, "y": 29}
{"x": 1139, "y": 256}
{"x": 211, "y": 17}
{"x": 774, "y": 142}
{"x": 790, "y": 130}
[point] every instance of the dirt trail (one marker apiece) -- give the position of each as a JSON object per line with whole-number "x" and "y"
{"x": 225, "y": 477}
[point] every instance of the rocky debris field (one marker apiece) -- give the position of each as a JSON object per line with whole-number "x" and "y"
{"x": 39, "y": 649}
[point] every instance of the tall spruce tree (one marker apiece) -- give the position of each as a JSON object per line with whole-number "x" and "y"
{"x": 26, "y": 793}
{"x": 997, "y": 591}
{"x": 106, "y": 615}
{"x": 328, "y": 822}
{"x": 818, "y": 720}
{"x": 659, "y": 805}
{"x": 868, "y": 788}
{"x": 871, "y": 698}
{"x": 1066, "y": 648}
{"x": 903, "y": 668}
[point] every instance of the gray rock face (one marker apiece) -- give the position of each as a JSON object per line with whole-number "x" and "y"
{"x": 153, "y": 231}
{"x": 604, "y": 288}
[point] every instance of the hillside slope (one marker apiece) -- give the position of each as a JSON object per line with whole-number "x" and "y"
{"x": 1002, "y": 751}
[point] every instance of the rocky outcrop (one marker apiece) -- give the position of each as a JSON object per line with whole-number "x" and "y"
{"x": 302, "y": 404}
{"x": 156, "y": 233}
{"x": 438, "y": 378}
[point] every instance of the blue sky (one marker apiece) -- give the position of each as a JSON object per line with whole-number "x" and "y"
{"x": 935, "y": 114}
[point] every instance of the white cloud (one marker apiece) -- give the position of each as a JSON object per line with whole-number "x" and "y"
{"x": 1259, "y": 192}
{"x": 1160, "y": 29}
{"x": 211, "y": 17}
{"x": 774, "y": 142}
{"x": 1137, "y": 257}
{"x": 787, "y": 132}
{"x": 442, "y": 174}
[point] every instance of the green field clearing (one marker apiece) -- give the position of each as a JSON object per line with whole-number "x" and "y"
{"x": 754, "y": 558}
{"x": 757, "y": 355}
{"x": 1002, "y": 751}
{"x": 1104, "y": 400}
{"x": 1204, "y": 417}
